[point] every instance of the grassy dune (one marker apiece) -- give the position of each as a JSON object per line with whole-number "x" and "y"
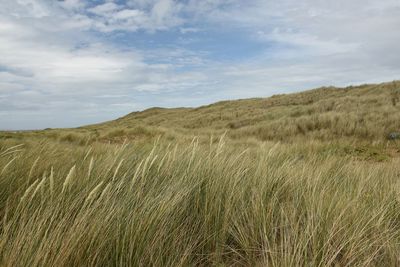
{"x": 366, "y": 112}
{"x": 355, "y": 113}
{"x": 260, "y": 182}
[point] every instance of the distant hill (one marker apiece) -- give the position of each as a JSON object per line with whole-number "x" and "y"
{"x": 369, "y": 111}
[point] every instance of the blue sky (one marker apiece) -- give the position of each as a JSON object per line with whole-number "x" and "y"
{"x": 74, "y": 62}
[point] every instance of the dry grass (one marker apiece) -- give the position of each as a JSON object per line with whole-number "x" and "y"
{"x": 160, "y": 205}
{"x": 367, "y": 112}
{"x": 141, "y": 191}
{"x": 354, "y": 114}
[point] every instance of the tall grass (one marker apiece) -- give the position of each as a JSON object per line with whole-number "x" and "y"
{"x": 175, "y": 204}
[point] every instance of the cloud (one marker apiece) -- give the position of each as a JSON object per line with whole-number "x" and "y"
{"x": 72, "y": 4}
{"x": 132, "y": 16}
{"x": 43, "y": 70}
{"x": 185, "y": 30}
{"x": 164, "y": 13}
{"x": 72, "y": 62}
{"x": 16, "y": 71}
{"x": 104, "y": 9}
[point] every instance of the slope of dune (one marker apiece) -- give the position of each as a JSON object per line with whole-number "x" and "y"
{"x": 363, "y": 112}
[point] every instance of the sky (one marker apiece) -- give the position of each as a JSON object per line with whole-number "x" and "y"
{"x": 67, "y": 63}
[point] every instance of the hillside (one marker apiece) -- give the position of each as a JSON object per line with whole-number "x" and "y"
{"x": 362, "y": 112}
{"x": 366, "y": 112}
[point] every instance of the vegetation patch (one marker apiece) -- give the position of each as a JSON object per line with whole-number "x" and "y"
{"x": 307, "y": 179}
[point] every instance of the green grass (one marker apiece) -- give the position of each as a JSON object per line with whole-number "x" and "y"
{"x": 157, "y": 188}
{"x": 160, "y": 205}
{"x": 366, "y": 112}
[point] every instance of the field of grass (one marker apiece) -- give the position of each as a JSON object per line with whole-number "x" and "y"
{"x": 308, "y": 179}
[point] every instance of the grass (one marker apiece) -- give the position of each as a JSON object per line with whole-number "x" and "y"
{"x": 143, "y": 192}
{"x": 366, "y": 112}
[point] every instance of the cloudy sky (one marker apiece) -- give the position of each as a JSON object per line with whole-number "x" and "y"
{"x": 73, "y": 62}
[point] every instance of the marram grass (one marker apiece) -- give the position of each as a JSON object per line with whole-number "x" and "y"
{"x": 195, "y": 205}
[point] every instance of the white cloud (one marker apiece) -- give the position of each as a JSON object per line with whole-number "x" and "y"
{"x": 308, "y": 43}
{"x": 32, "y": 8}
{"x": 318, "y": 42}
{"x": 128, "y": 13}
{"x": 44, "y": 71}
{"x": 185, "y": 30}
{"x": 164, "y": 13}
{"x": 72, "y": 4}
{"x": 150, "y": 16}
{"x": 60, "y": 57}
{"x": 104, "y": 9}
